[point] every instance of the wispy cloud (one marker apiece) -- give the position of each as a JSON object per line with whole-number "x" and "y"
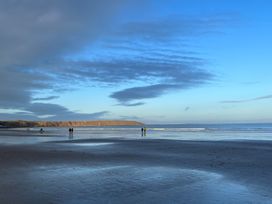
{"x": 164, "y": 69}
{"x": 47, "y": 111}
{"x": 248, "y": 100}
{"x": 45, "y": 98}
{"x": 142, "y": 92}
{"x": 142, "y": 51}
{"x": 145, "y": 69}
{"x": 172, "y": 27}
{"x": 131, "y": 104}
{"x": 185, "y": 80}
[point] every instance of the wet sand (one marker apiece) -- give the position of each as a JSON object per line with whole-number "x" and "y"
{"x": 136, "y": 171}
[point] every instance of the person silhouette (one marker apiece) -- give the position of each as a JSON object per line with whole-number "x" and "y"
{"x": 70, "y": 133}
{"x": 142, "y": 130}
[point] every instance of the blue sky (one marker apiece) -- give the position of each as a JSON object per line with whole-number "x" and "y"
{"x": 186, "y": 61}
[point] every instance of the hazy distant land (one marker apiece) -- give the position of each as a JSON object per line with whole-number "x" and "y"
{"x": 23, "y": 123}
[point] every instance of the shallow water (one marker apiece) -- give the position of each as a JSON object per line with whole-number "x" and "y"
{"x": 175, "y": 132}
{"x": 92, "y": 144}
{"x": 126, "y": 184}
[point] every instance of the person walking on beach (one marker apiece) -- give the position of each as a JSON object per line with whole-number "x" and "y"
{"x": 142, "y": 130}
{"x": 71, "y": 133}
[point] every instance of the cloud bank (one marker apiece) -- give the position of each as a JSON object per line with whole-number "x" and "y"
{"x": 141, "y": 59}
{"x": 36, "y": 32}
{"x": 248, "y": 100}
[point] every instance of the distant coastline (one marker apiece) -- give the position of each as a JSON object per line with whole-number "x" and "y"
{"x": 24, "y": 123}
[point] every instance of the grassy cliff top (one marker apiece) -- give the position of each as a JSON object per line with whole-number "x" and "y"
{"x": 23, "y": 123}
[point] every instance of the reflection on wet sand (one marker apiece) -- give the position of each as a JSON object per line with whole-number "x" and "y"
{"x": 114, "y": 170}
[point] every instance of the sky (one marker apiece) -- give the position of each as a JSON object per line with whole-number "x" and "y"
{"x": 166, "y": 61}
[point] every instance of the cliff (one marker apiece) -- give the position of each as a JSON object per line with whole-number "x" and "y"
{"x": 22, "y": 123}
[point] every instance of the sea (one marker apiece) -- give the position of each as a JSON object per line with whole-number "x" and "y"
{"x": 200, "y": 132}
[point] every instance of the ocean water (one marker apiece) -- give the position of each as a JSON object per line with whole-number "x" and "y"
{"x": 202, "y": 132}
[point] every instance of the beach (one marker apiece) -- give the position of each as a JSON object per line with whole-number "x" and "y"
{"x": 135, "y": 102}
{"x": 118, "y": 170}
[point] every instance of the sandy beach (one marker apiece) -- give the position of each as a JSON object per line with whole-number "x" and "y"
{"x": 135, "y": 102}
{"x": 136, "y": 171}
